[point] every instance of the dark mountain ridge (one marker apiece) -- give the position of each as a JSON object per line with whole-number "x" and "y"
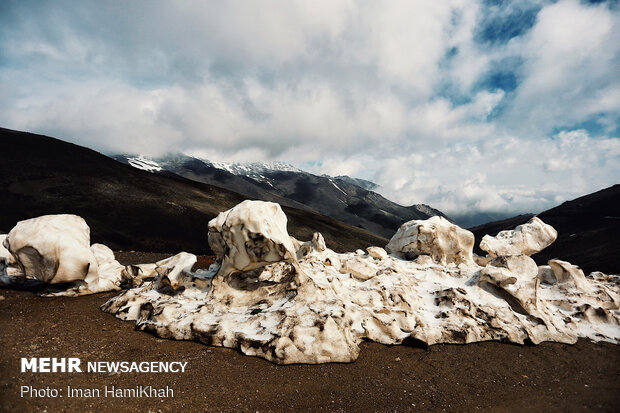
{"x": 127, "y": 208}
{"x": 343, "y": 198}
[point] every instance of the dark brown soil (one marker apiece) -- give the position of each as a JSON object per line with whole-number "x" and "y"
{"x": 483, "y": 376}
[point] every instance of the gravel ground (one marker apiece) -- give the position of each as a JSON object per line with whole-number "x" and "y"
{"x": 483, "y": 376}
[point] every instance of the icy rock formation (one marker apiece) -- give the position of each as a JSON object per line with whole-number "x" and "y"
{"x": 170, "y": 274}
{"x": 516, "y": 276}
{"x": 528, "y": 239}
{"x": 437, "y": 237}
{"x": 567, "y": 274}
{"x": 254, "y": 299}
{"x": 249, "y": 236}
{"x": 55, "y": 249}
{"x": 303, "y": 248}
{"x": 175, "y": 271}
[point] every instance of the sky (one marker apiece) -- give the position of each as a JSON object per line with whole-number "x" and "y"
{"x": 482, "y": 109}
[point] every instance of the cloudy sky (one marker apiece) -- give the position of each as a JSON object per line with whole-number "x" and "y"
{"x": 474, "y": 107}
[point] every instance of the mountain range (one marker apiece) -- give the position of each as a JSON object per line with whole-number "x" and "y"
{"x": 127, "y": 208}
{"x": 349, "y": 200}
{"x": 153, "y": 209}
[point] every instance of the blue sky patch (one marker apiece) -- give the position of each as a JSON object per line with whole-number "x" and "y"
{"x": 499, "y": 29}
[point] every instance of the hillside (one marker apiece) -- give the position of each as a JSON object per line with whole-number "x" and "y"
{"x": 128, "y": 208}
{"x": 343, "y": 198}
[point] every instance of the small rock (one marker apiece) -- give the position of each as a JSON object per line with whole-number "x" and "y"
{"x": 377, "y": 252}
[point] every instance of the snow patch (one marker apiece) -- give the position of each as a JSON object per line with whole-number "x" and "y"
{"x": 336, "y": 186}
{"x": 292, "y": 302}
{"x": 145, "y": 164}
{"x": 254, "y": 170}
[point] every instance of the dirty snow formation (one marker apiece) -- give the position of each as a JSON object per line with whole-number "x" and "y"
{"x": 287, "y": 301}
{"x": 528, "y": 239}
{"x": 55, "y": 249}
{"x": 435, "y": 237}
{"x": 7, "y": 262}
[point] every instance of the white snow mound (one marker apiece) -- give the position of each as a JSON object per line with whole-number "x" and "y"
{"x": 436, "y": 237}
{"x": 528, "y": 239}
{"x": 272, "y": 296}
{"x": 55, "y": 249}
{"x": 249, "y": 236}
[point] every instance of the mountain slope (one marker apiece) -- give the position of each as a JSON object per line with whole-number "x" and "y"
{"x": 347, "y": 202}
{"x": 343, "y": 198}
{"x": 128, "y": 208}
{"x": 588, "y": 231}
{"x": 363, "y": 183}
{"x": 201, "y": 171}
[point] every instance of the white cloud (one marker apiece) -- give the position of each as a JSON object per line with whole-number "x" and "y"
{"x": 389, "y": 91}
{"x": 571, "y": 67}
{"x": 504, "y": 176}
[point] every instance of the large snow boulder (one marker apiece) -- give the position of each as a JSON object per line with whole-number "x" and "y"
{"x": 515, "y": 276}
{"x": 443, "y": 241}
{"x": 257, "y": 257}
{"x": 168, "y": 275}
{"x": 252, "y": 300}
{"x": 249, "y": 236}
{"x": 175, "y": 271}
{"x": 527, "y": 239}
{"x": 53, "y": 248}
{"x": 108, "y": 274}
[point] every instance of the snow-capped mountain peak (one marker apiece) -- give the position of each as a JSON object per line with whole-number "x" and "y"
{"x": 253, "y": 168}
{"x": 347, "y": 199}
